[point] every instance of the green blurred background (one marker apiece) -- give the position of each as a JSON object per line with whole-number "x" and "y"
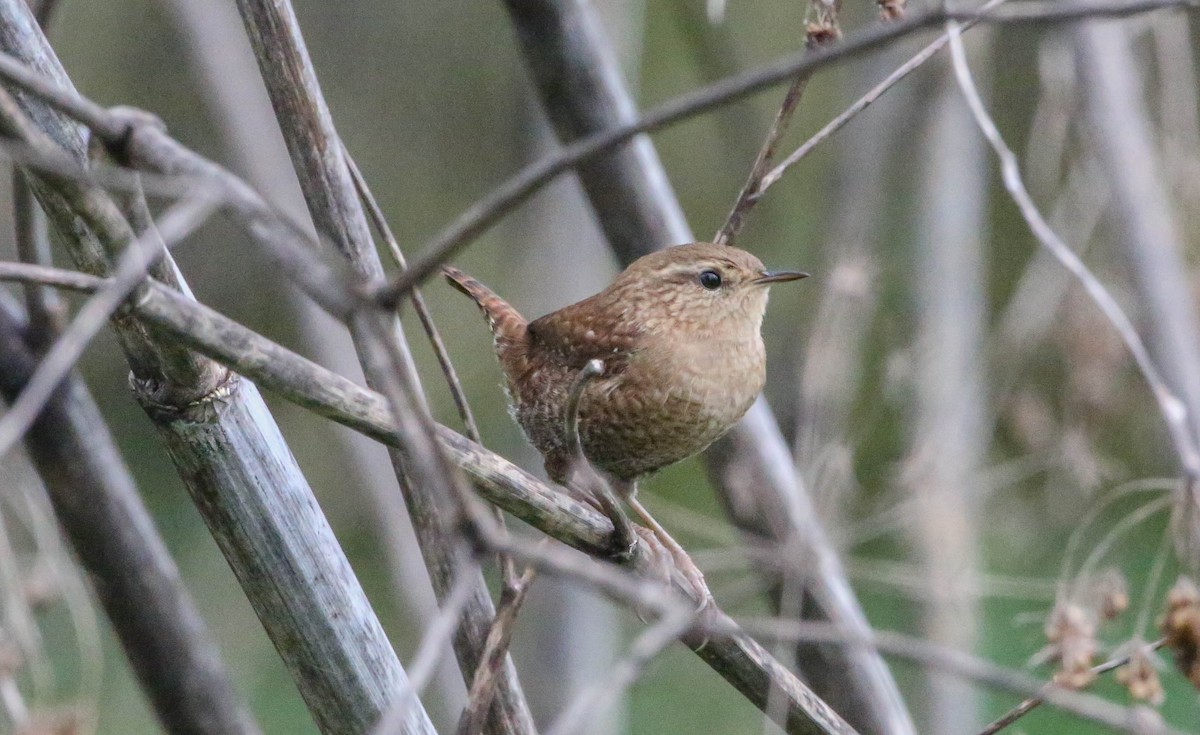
{"x": 432, "y": 100}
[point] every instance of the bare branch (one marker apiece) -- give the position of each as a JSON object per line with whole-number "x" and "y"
{"x": 102, "y": 515}
{"x": 245, "y": 481}
{"x": 1152, "y": 239}
{"x": 1173, "y": 411}
{"x": 60, "y": 359}
{"x": 504, "y": 198}
{"x": 1031, "y": 703}
{"x": 737, "y": 658}
{"x": 751, "y": 466}
{"x": 483, "y": 682}
{"x": 326, "y": 179}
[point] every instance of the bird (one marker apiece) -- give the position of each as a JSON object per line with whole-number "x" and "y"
{"x": 678, "y": 335}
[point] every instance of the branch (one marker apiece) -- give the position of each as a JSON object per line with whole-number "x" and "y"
{"x": 1173, "y": 411}
{"x": 60, "y": 359}
{"x": 1031, "y": 703}
{"x": 326, "y": 179}
{"x": 100, "y": 511}
{"x": 226, "y": 447}
{"x": 1152, "y": 238}
{"x": 737, "y": 658}
{"x": 477, "y": 218}
{"x": 752, "y": 468}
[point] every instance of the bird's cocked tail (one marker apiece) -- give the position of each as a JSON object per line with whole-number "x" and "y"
{"x": 507, "y": 324}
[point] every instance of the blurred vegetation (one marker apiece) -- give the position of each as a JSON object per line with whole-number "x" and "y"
{"x": 432, "y": 100}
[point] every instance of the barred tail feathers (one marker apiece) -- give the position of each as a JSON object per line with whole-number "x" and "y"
{"x": 506, "y": 323}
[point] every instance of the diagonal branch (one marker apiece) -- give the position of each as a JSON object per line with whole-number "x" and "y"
{"x": 225, "y": 445}
{"x": 736, "y": 657}
{"x": 484, "y": 213}
{"x": 327, "y": 182}
{"x": 752, "y": 468}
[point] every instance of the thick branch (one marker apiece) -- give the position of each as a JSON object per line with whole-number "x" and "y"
{"x": 325, "y": 178}
{"x": 232, "y": 458}
{"x": 97, "y": 505}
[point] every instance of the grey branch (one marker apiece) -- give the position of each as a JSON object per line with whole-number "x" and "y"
{"x": 226, "y": 447}
{"x": 102, "y": 515}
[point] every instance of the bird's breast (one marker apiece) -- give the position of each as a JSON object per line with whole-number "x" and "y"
{"x": 669, "y": 403}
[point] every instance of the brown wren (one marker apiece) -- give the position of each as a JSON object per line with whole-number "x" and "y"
{"x": 679, "y": 333}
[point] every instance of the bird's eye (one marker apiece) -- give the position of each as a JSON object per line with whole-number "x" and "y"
{"x": 710, "y": 279}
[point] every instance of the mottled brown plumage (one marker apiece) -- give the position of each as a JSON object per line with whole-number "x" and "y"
{"x": 682, "y": 362}
{"x": 679, "y": 333}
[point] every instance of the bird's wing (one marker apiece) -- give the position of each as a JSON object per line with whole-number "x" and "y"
{"x": 578, "y": 333}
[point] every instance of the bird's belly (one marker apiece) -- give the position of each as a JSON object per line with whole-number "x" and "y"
{"x": 652, "y": 415}
{"x": 637, "y": 428}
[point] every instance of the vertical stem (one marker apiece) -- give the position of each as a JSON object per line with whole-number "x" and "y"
{"x": 231, "y": 456}
{"x": 227, "y": 76}
{"x": 1149, "y": 233}
{"x": 97, "y": 505}
{"x": 950, "y": 437}
{"x": 333, "y": 202}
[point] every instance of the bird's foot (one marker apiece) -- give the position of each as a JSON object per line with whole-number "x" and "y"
{"x": 672, "y": 566}
{"x": 696, "y": 586}
{"x": 622, "y": 543}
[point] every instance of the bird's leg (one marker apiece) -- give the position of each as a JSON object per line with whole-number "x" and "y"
{"x": 581, "y": 474}
{"x": 691, "y": 572}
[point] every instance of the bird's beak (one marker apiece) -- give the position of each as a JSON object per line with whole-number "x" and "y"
{"x": 769, "y": 277}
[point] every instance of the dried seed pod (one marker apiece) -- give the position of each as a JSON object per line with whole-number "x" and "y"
{"x": 1072, "y": 636}
{"x": 1181, "y": 627}
{"x": 1140, "y": 677}
{"x": 1112, "y": 594}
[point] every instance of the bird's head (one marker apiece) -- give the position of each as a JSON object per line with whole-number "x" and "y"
{"x": 702, "y": 287}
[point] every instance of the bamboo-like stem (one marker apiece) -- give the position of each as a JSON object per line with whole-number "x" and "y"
{"x": 228, "y": 452}
{"x": 333, "y": 201}
{"x": 227, "y": 75}
{"x": 98, "y": 507}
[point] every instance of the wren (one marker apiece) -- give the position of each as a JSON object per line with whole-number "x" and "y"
{"x": 679, "y": 333}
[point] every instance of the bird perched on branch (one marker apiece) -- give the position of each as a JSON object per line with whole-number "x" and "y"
{"x": 679, "y": 336}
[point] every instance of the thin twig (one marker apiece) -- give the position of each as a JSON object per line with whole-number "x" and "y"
{"x": 753, "y": 188}
{"x": 1173, "y": 411}
{"x": 484, "y": 213}
{"x": 901, "y": 645}
{"x": 169, "y": 648}
{"x": 504, "y": 198}
{"x": 436, "y": 636}
{"x": 471, "y": 428}
{"x": 837, "y": 123}
{"x": 44, "y": 310}
{"x": 600, "y": 695}
{"x": 738, "y": 659}
{"x": 50, "y": 276}
{"x": 175, "y": 224}
{"x": 508, "y": 571}
{"x": 1031, "y": 703}
{"x": 483, "y": 683}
